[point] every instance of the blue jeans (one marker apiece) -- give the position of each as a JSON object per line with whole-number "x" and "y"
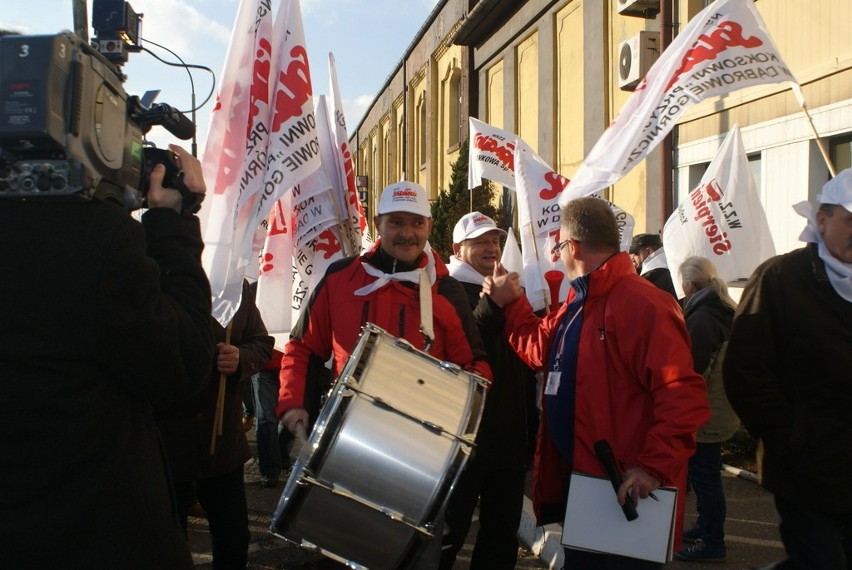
{"x": 264, "y": 388}
{"x": 705, "y": 478}
{"x": 814, "y": 540}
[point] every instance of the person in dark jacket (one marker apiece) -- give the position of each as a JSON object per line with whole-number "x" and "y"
{"x": 102, "y": 317}
{"x": 495, "y": 474}
{"x": 788, "y": 375}
{"x": 649, "y": 258}
{"x": 709, "y": 312}
{"x": 209, "y": 466}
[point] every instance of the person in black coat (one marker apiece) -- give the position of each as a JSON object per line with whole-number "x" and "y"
{"x": 102, "y": 317}
{"x": 210, "y": 467}
{"x": 787, "y": 375}
{"x": 495, "y": 474}
{"x": 709, "y": 313}
{"x": 649, "y": 258}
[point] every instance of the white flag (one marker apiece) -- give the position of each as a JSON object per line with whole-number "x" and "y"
{"x": 237, "y": 137}
{"x": 293, "y": 153}
{"x": 512, "y": 260}
{"x": 722, "y": 219}
{"x": 345, "y": 166}
{"x": 538, "y": 187}
{"x": 274, "y": 297}
{"x": 332, "y": 165}
{"x": 491, "y": 155}
{"x": 724, "y": 48}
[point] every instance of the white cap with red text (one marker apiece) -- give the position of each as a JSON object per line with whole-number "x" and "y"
{"x": 404, "y": 197}
{"x": 474, "y": 225}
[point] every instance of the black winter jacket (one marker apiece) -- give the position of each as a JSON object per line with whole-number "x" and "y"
{"x": 788, "y": 374}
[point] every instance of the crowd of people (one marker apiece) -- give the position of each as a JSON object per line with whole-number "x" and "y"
{"x": 131, "y": 381}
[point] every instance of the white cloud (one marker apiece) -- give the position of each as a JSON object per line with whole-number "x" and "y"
{"x": 354, "y": 110}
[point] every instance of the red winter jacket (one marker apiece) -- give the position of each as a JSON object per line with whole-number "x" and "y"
{"x": 635, "y": 383}
{"x": 334, "y": 316}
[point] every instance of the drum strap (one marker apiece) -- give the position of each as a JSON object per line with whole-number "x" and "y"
{"x": 426, "y": 309}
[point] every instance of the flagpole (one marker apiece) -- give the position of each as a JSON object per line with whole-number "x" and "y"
{"x": 220, "y": 399}
{"x": 800, "y": 97}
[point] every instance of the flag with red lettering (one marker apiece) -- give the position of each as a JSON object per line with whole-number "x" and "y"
{"x": 332, "y": 164}
{"x": 539, "y": 218}
{"x": 232, "y": 162}
{"x": 345, "y": 165}
{"x": 722, "y": 219}
{"x": 724, "y": 48}
{"x": 275, "y": 295}
{"x": 491, "y": 155}
{"x": 293, "y": 152}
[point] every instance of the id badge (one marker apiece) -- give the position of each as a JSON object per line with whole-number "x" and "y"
{"x": 553, "y": 379}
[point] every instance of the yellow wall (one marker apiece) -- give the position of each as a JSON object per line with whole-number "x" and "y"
{"x": 527, "y": 85}
{"x": 449, "y": 78}
{"x": 569, "y": 89}
{"x": 494, "y": 96}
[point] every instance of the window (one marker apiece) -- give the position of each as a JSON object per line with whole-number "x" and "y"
{"x": 755, "y": 161}
{"x": 454, "y": 110}
{"x": 421, "y": 128}
{"x": 840, "y": 151}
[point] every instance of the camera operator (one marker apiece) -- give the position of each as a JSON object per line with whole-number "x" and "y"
{"x": 103, "y": 318}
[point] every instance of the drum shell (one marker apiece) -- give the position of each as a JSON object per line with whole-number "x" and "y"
{"x": 384, "y": 455}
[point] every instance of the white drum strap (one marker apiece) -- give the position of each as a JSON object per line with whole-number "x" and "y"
{"x": 426, "y": 309}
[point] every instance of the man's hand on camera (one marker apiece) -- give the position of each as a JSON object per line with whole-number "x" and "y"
{"x": 160, "y": 197}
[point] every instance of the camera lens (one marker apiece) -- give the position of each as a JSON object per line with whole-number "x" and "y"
{"x": 27, "y": 183}
{"x": 58, "y": 182}
{"x": 43, "y": 183}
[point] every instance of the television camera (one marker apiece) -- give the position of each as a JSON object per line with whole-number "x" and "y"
{"x": 68, "y": 130}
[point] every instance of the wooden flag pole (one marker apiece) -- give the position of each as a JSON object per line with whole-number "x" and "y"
{"x": 220, "y": 399}
{"x": 800, "y": 97}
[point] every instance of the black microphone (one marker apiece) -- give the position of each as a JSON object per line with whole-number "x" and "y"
{"x": 173, "y": 120}
{"x": 604, "y": 454}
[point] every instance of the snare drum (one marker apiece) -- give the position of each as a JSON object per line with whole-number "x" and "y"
{"x": 384, "y": 454}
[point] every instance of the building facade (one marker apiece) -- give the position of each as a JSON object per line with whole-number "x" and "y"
{"x": 557, "y": 72}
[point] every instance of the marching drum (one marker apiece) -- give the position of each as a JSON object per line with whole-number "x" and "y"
{"x": 384, "y": 454}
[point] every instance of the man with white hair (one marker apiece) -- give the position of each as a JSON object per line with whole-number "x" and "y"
{"x": 788, "y": 375}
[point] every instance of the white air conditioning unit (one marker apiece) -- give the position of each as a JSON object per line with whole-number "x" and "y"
{"x": 640, "y": 8}
{"x": 636, "y": 55}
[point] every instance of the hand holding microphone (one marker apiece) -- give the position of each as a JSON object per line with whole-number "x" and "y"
{"x": 604, "y": 454}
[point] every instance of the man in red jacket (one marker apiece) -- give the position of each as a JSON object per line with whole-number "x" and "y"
{"x": 618, "y": 366}
{"x": 382, "y": 287}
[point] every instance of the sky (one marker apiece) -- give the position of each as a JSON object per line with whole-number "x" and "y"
{"x": 366, "y": 37}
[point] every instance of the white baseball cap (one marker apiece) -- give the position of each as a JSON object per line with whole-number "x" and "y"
{"x": 474, "y": 225}
{"x": 838, "y": 190}
{"x": 404, "y": 197}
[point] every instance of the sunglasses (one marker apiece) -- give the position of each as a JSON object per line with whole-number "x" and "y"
{"x": 557, "y": 249}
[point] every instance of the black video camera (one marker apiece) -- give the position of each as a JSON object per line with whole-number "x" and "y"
{"x": 69, "y": 131}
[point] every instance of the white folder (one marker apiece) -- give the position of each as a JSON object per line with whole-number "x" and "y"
{"x": 595, "y": 522}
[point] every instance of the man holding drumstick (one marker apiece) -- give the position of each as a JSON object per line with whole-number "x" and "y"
{"x": 382, "y": 287}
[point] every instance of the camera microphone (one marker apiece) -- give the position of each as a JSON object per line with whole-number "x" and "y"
{"x": 604, "y": 454}
{"x": 172, "y": 120}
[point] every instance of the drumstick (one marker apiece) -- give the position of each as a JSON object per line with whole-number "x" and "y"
{"x": 298, "y": 441}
